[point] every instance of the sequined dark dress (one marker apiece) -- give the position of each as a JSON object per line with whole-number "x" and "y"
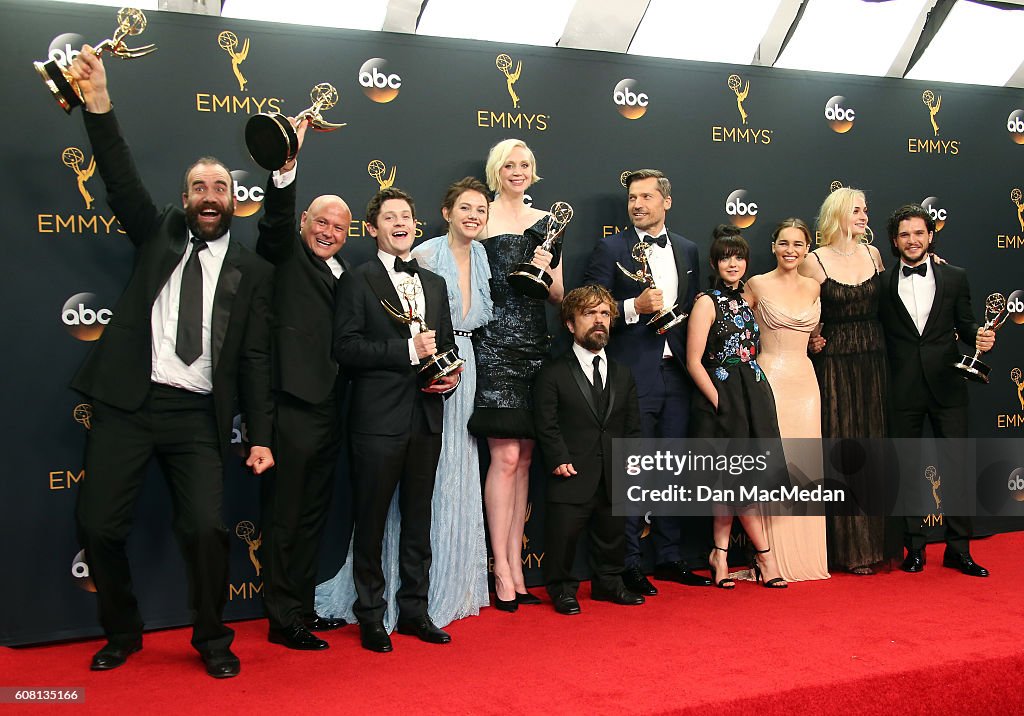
{"x": 512, "y": 346}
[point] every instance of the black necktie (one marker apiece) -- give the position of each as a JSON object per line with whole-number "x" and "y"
{"x": 661, "y": 241}
{"x": 597, "y": 387}
{"x": 188, "y": 344}
{"x": 410, "y": 267}
{"x": 920, "y": 270}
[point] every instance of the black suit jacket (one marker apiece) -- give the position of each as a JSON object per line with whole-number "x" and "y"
{"x": 569, "y": 429}
{"x": 638, "y": 345}
{"x": 304, "y": 297}
{"x": 118, "y": 368}
{"x": 922, "y": 364}
{"x": 373, "y": 349}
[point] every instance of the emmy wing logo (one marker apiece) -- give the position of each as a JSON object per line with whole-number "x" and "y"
{"x": 935, "y": 480}
{"x": 1015, "y": 197}
{"x": 244, "y": 531}
{"x": 376, "y": 169}
{"x": 735, "y": 82}
{"x": 73, "y": 158}
{"x": 228, "y": 41}
{"x": 82, "y": 413}
{"x": 504, "y": 64}
{"x": 933, "y": 104}
{"x": 1018, "y": 381}
{"x": 835, "y": 185}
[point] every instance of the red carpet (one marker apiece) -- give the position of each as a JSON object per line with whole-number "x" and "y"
{"x": 936, "y": 642}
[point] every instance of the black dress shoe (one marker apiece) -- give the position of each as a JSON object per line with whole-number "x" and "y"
{"x": 677, "y": 572}
{"x": 620, "y": 596}
{"x": 319, "y": 623}
{"x": 527, "y": 599}
{"x": 221, "y": 663}
{"x": 424, "y": 630}
{"x": 296, "y": 637}
{"x": 114, "y": 655}
{"x": 374, "y": 637}
{"x": 566, "y": 604}
{"x": 637, "y": 582}
{"x": 964, "y": 563}
{"x": 914, "y": 561}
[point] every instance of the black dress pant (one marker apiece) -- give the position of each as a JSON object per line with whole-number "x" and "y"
{"x": 380, "y": 463}
{"x": 946, "y": 422}
{"x": 563, "y": 523}
{"x": 179, "y": 429}
{"x": 296, "y": 497}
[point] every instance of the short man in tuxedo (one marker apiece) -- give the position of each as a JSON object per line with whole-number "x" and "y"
{"x": 925, "y": 307}
{"x": 582, "y": 400}
{"x": 395, "y": 423}
{"x": 656, "y": 361}
{"x": 309, "y": 391}
{"x": 189, "y": 336}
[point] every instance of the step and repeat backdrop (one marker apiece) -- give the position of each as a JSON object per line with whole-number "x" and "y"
{"x": 741, "y": 144}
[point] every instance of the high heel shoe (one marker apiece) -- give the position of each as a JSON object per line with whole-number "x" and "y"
{"x": 727, "y": 582}
{"x": 527, "y": 599}
{"x": 776, "y": 583}
{"x": 504, "y": 605}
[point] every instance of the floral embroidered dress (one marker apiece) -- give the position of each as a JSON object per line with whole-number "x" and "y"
{"x": 746, "y": 406}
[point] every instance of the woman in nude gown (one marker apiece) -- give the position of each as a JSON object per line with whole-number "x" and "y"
{"x": 787, "y": 309}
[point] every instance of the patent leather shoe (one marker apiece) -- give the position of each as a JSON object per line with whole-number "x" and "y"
{"x": 622, "y": 596}
{"x": 424, "y": 630}
{"x": 637, "y": 582}
{"x": 114, "y": 655}
{"x": 374, "y": 637}
{"x": 297, "y": 637}
{"x": 221, "y": 663}
{"x": 914, "y": 561}
{"x": 964, "y": 563}
{"x": 677, "y": 572}
{"x": 319, "y": 623}
{"x": 566, "y": 604}
{"x": 527, "y": 599}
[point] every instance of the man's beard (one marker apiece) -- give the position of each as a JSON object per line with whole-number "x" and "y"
{"x": 595, "y": 340}
{"x": 214, "y": 232}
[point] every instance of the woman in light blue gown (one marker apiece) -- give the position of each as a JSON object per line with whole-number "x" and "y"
{"x": 458, "y": 571}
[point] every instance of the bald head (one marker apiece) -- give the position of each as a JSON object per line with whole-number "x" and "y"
{"x": 324, "y": 225}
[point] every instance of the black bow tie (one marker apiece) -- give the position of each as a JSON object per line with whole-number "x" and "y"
{"x": 410, "y": 267}
{"x": 661, "y": 241}
{"x": 920, "y": 270}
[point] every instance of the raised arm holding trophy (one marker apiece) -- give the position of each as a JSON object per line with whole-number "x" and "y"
{"x": 271, "y": 137}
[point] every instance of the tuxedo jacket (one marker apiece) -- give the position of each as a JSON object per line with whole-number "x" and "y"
{"x": 921, "y": 364}
{"x": 118, "y": 368}
{"x": 304, "y": 298}
{"x": 569, "y": 429}
{"x": 373, "y": 349}
{"x": 638, "y": 345}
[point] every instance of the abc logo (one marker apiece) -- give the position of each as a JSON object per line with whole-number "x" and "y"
{"x": 378, "y": 84}
{"x": 938, "y": 214}
{"x": 1015, "y": 484}
{"x": 80, "y": 572}
{"x": 83, "y": 321}
{"x": 1015, "y": 306}
{"x": 239, "y": 435}
{"x": 742, "y": 213}
{"x": 1015, "y": 125}
{"x": 630, "y": 101}
{"x": 248, "y": 193}
{"x": 65, "y": 48}
{"x": 839, "y": 118}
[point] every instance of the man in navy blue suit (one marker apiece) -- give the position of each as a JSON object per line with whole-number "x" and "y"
{"x": 658, "y": 362}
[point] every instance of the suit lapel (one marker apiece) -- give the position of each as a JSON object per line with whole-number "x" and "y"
{"x": 223, "y": 297}
{"x": 613, "y": 372}
{"x": 582, "y": 382}
{"x": 897, "y": 302}
{"x": 379, "y": 281}
{"x": 940, "y": 288}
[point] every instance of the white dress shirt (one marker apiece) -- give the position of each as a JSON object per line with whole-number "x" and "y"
{"x": 586, "y": 359}
{"x": 168, "y": 368}
{"x": 420, "y": 307}
{"x": 918, "y": 294}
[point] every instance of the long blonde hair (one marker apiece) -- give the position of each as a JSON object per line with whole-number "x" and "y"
{"x": 834, "y": 210}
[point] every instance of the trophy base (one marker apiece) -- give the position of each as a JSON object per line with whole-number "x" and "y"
{"x": 59, "y": 83}
{"x": 972, "y": 368}
{"x": 271, "y": 140}
{"x": 666, "y": 319}
{"x": 531, "y": 281}
{"x": 438, "y": 366}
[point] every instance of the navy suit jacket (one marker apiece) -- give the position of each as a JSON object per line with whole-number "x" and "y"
{"x": 638, "y": 345}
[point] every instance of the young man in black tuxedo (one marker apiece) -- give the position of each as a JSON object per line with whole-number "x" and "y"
{"x": 395, "y": 422}
{"x": 582, "y": 401}
{"x": 925, "y": 307}
{"x": 189, "y": 337}
{"x": 657, "y": 361}
{"x": 309, "y": 391}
